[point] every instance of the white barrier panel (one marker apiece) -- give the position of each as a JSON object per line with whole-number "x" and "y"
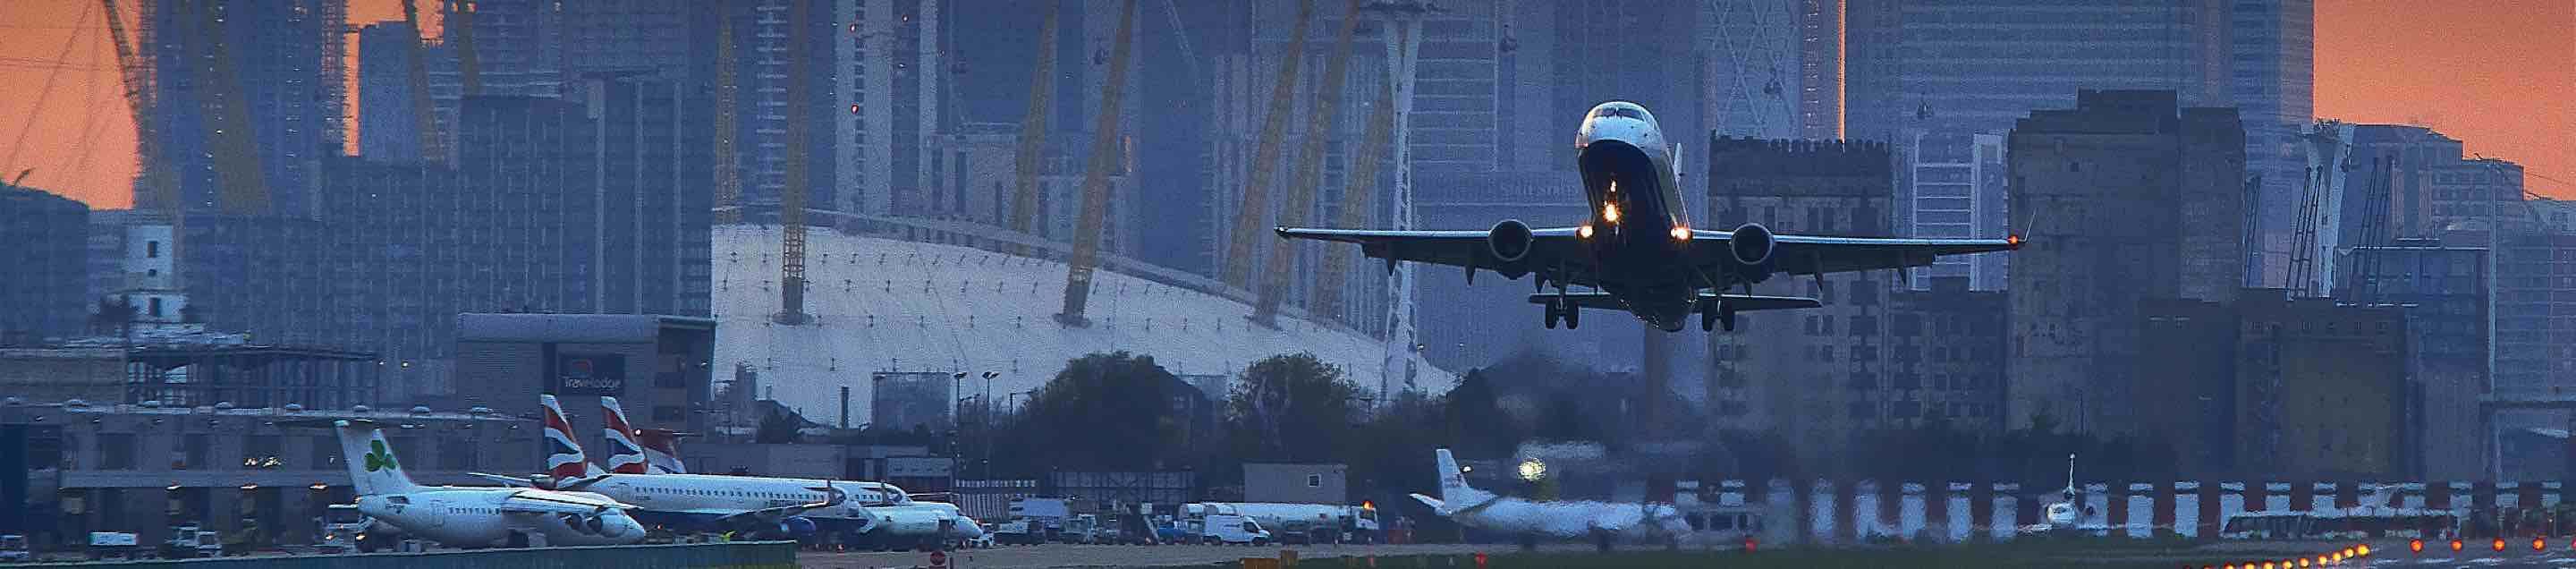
{"x": 1820, "y": 512}
{"x": 2186, "y": 506}
{"x": 2007, "y": 512}
{"x": 1961, "y": 520}
{"x": 1909, "y": 513}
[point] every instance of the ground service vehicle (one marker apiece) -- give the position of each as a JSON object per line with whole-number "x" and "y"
{"x": 191, "y": 541}
{"x": 1232, "y": 529}
{"x": 343, "y": 529}
{"x": 1018, "y": 532}
{"x": 112, "y": 545}
{"x": 1302, "y": 523}
{"x": 13, "y": 549}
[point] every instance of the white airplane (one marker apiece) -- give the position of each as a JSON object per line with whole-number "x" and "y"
{"x": 1636, "y": 248}
{"x": 1602, "y": 522}
{"x": 2065, "y": 513}
{"x": 472, "y": 517}
{"x": 861, "y": 513}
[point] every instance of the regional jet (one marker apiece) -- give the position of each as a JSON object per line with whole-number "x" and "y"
{"x": 1636, "y": 248}
{"x": 472, "y": 517}
{"x": 1603, "y": 522}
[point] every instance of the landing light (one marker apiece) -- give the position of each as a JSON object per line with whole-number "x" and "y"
{"x": 1583, "y": 232}
{"x": 1681, "y": 233}
{"x": 1610, "y": 212}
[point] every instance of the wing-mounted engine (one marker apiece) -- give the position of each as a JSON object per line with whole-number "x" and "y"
{"x": 1751, "y": 248}
{"x": 1509, "y": 242}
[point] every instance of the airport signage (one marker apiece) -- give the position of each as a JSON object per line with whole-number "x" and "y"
{"x": 588, "y": 374}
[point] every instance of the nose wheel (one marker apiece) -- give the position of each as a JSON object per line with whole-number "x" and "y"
{"x": 1563, "y": 309}
{"x": 1721, "y": 315}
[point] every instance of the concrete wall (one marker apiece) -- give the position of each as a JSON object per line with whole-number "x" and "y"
{"x": 54, "y": 375}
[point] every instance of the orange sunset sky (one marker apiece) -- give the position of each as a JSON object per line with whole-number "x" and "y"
{"x": 2497, "y": 74}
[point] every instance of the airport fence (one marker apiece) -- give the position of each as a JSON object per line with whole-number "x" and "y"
{"x": 731, "y": 555}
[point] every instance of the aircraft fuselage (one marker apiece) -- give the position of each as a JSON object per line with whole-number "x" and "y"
{"x": 1638, "y": 224}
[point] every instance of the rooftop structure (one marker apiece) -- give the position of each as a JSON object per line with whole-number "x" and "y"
{"x": 881, "y": 305}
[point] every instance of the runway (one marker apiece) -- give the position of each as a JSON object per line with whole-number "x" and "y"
{"x": 1067, "y": 555}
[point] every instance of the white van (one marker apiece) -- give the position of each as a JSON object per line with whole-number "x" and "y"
{"x": 1231, "y": 529}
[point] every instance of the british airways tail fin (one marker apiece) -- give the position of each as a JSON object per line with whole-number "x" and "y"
{"x": 624, "y": 455}
{"x": 564, "y": 459}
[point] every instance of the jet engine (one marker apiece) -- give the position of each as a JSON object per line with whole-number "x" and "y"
{"x": 1751, "y": 245}
{"x": 1509, "y": 240}
{"x": 796, "y": 526}
{"x": 585, "y": 523}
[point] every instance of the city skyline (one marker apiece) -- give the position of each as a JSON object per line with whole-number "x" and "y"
{"x": 2485, "y": 72}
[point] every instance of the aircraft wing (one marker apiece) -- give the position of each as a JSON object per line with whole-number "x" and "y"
{"x": 1742, "y": 302}
{"x": 1548, "y": 245}
{"x": 1813, "y": 254}
{"x": 539, "y": 501}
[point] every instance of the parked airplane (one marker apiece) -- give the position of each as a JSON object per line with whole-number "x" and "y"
{"x": 472, "y": 517}
{"x": 1637, "y": 249}
{"x": 860, "y": 513}
{"x": 1603, "y": 522}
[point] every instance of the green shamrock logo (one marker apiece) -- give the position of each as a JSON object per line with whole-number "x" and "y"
{"x": 378, "y": 457}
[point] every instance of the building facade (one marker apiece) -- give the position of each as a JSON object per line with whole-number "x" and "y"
{"x": 2322, "y": 390}
{"x": 2142, "y": 199}
{"x": 1816, "y": 377}
{"x": 2445, "y": 293}
{"x": 1954, "y": 188}
{"x": 658, "y": 367}
{"x": 49, "y": 254}
{"x": 143, "y": 469}
{"x": 275, "y": 66}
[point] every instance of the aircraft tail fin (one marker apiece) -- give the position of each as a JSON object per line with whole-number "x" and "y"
{"x": 625, "y": 457}
{"x": 662, "y": 450}
{"x": 564, "y": 459}
{"x": 1453, "y": 482}
{"x": 373, "y": 470}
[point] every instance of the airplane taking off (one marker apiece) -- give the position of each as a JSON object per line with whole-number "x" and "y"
{"x": 1604, "y": 522}
{"x": 472, "y": 517}
{"x": 1637, "y": 249}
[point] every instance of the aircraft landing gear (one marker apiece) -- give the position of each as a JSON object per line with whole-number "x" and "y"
{"x": 1563, "y": 309}
{"x": 1719, "y": 316}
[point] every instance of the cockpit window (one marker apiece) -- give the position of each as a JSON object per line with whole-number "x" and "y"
{"x": 1617, "y": 112}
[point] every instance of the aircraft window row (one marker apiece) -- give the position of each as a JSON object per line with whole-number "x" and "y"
{"x": 473, "y": 510}
{"x": 731, "y": 493}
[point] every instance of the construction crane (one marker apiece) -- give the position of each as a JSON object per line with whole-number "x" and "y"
{"x": 1033, "y": 132}
{"x": 1105, "y": 153}
{"x": 242, "y": 186}
{"x": 1358, "y": 199}
{"x": 1310, "y": 170}
{"x": 791, "y": 199}
{"x": 158, "y": 186}
{"x": 1265, "y": 156}
{"x": 432, "y": 146}
{"x": 727, "y": 172}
